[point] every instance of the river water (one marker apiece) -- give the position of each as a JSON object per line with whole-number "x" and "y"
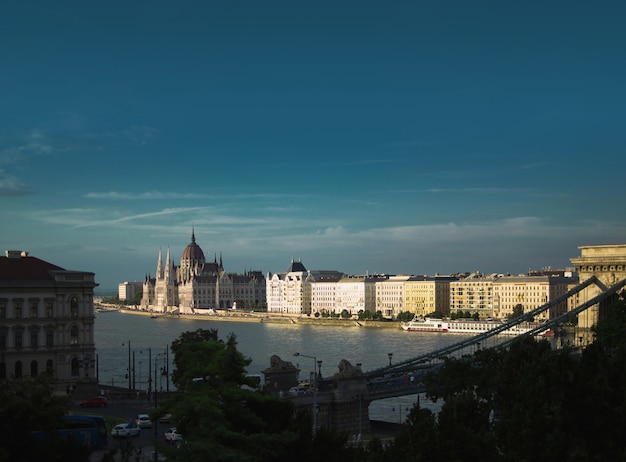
{"x": 150, "y": 338}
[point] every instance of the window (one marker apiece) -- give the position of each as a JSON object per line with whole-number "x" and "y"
{"x": 18, "y": 339}
{"x": 3, "y": 310}
{"x": 49, "y": 366}
{"x": 74, "y": 335}
{"x": 75, "y": 367}
{"x": 3, "y": 340}
{"x": 74, "y": 307}
{"x": 17, "y": 310}
{"x": 34, "y": 368}
{"x": 18, "y": 369}
{"x": 34, "y": 339}
{"x": 49, "y": 308}
{"x": 33, "y": 308}
{"x": 3, "y": 371}
{"x": 50, "y": 337}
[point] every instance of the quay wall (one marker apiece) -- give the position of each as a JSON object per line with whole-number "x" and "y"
{"x": 273, "y": 318}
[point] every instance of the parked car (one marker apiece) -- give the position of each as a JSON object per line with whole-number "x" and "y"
{"x": 98, "y": 401}
{"x": 143, "y": 421}
{"x": 165, "y": 418}
{"x": 172, "y": 436}
{"x": 300, "y": 391}
{"x": 125, "y": 430}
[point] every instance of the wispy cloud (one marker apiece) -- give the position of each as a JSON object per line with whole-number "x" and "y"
{"x": 148, "y": 195}
{"x": 11, "y": 186}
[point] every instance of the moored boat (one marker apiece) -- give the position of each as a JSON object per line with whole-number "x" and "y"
{"x": 468, "y": 326}
{"x": 426, "y": 325}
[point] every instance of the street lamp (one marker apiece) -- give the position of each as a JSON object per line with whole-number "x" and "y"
{"x": 156, "y": 359}
{"x": 314, "y": 388}
{"x": 128, "y": 375}
{"x": 86, "y": 363}
{"x": 390, "y": 355}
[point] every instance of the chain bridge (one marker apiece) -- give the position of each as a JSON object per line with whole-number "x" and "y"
{"x": 341, "y": 401}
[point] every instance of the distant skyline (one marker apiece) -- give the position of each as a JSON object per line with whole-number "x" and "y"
{"x": 407, "y": 137}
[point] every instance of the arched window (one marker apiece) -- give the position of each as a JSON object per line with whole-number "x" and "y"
{"x": 74, "y": 335}
{"x": 18, "y": 369}
{"x": 34, "y": 368}
{"x": 3, "y": 371}
{"x": 75, "y": 367}
{"x": 74, "y": 307}
{"x": 50, "y": 366}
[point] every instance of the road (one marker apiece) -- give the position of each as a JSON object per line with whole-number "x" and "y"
{"x": 143, "y": 445}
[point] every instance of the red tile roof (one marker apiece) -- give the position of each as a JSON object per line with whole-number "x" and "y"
{"x": 26, "y": 269}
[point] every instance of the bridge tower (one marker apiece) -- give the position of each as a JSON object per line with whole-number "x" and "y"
{"x": 347, "y": 407}
{"x": 608, "y": 264}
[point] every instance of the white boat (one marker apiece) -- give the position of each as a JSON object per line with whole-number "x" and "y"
{"x": 426, "y": 325}
{"x": 467, "y": 326}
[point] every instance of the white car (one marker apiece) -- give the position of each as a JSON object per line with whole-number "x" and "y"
{"x": 143, "y": 421}
{"x": 125, "y": 430}
{"x": 172, "y": 435}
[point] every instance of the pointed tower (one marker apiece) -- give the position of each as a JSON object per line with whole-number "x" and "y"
{"x": 159, "y": 271}
{"x": 168, "y": 268}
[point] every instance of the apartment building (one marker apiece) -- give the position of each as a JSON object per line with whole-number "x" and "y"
{"x": 426, "y": 294}
{"x": 128, "y": 290}
{"x": 474, "y": 294}
{"x": 529, "y": 291}
{"x": 390, "y": 295}
{"x": 357, "y": 293}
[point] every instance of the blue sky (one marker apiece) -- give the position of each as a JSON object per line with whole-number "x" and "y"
{"x": 391, "y": 137}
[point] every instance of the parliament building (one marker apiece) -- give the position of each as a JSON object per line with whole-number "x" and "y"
{"x": 197, "y": 286}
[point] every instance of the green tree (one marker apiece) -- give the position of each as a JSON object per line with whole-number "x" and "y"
{"x": 221, "y": 421}
{"x": 405, "y": 316}
{"x": 30, "y": 405}
{"x": 518, "y": 310}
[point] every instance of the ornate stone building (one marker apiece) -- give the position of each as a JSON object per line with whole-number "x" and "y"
{"x": 47, "y": 322}
{"x": 196, "y": 285}
{"x": 608, "y": 264}
{"x": 294, "y": 292}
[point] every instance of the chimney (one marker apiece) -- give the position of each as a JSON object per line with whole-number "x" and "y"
{"x": 16, "y": 253}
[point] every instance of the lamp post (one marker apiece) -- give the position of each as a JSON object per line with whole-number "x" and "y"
{"x": 314, "y": 389}
{"x": 390, "y": 355}
{"x": 128, "y": 375}
{"x": 156, "y": 450}
{"x": 156, "y": 359}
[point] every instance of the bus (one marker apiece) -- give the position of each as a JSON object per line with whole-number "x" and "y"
{"x": 85, "y": 430}
{"x": 90, "y": 430}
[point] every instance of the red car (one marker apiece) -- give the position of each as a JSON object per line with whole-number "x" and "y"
{"x": 98, "y": 401}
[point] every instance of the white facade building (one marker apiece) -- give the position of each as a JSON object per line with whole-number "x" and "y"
{"x": 356, "y": 294}
{"x": 390, "y": 295}
{"x": 128, "y": 290}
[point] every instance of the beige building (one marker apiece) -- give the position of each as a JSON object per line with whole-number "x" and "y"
{"x": 424, "y": 295}
{"x": 46, "y": 322}
{"x": 530, "y": 292}
{"x": 474, "y": 294}
{"x": 608, "y": 264}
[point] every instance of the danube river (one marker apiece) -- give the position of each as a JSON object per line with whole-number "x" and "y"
{"x": 150, "y": 337}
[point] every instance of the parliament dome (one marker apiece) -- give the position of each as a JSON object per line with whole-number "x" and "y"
{"x": 193, "y": 252}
